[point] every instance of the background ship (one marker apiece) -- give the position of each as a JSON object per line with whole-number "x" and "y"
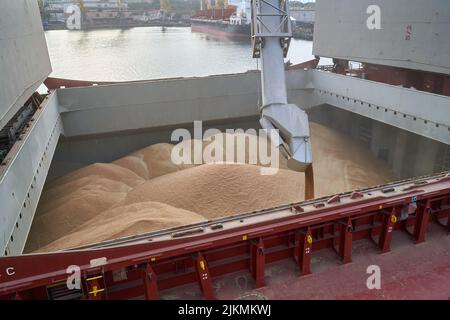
{"x": 231, "y": 21}
{"x": 397, "y": 105}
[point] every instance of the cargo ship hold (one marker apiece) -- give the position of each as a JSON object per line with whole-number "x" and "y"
{"x": 396, "y": 106}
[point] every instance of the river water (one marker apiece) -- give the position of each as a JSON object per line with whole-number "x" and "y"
{"x": 150, "y": 53}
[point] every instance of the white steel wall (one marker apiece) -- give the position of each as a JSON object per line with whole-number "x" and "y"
{"x": 414, "y": 34}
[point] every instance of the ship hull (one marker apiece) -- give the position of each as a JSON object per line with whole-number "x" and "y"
{"x": 220, "y": 28}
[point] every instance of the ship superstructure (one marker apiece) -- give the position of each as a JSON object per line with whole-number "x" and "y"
{"x": 232, "y": 21}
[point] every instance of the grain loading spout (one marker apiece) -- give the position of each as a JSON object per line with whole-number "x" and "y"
{"x": 271, "y": 35}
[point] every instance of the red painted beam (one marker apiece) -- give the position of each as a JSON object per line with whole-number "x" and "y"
{"x": 423, "y": 216}
{"x": 345, "y": 242}
{"x": 204, "y": 277}
{"x": 150, "y": 284}
{"x": 258, "y": 262}
{"x": 384, "y": 242}
{"x": 304, "y": 251}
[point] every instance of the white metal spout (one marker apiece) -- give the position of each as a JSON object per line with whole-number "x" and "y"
{"x": 271, "y": 34}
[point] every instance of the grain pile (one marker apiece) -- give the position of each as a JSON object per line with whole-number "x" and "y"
{"x": 145, "y": 191}
{"x": 122, "y": 221}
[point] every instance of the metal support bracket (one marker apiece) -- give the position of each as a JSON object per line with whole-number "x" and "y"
{"x": 345, "y": 241}
{"x": 204, "y": 277}
{"x": 422, "y": 218}
{"x": 260, "y": 30}
{"x": 389, "y": 220}
{"x": 150, "y": 283}
{"x": 258, "y": 262}
{"x": 304, "y": 251}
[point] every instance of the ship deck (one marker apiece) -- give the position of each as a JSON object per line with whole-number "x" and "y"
{"x": 408, "y": 271}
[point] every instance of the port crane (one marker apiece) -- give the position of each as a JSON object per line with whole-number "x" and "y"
{"x": 271, "y": 34}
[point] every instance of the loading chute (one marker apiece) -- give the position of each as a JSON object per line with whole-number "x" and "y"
{"x": 271, "y": 35}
